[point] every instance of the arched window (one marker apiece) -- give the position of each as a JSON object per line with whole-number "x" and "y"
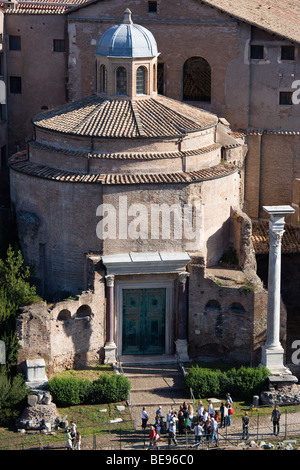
{"x": 141, "y": 81}
{"x": 196, "y": 80}
{"x": 121, "y": 81}
{"x": 64, "y": 315}
{"x": 212, "y": 306}
{"x": 103, "y": 79}
{"x": 154, "y": 78}
{"x": 84, "y": 311}
{"x": 237, "y": 308}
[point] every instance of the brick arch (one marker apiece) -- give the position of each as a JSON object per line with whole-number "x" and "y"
{"x": 237, "y": 307}
{"x": 84, "y": 311}
{"x": 196, "y": 79}
{"x": 64, "y": 315}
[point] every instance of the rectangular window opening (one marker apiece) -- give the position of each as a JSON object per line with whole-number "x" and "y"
{"x": 14, "y": 43}
{"x": 256, "y": 52}
{"x": 287, "y": 53}
{"x": 15, "y": 85}
{"x": 152, "y": 7}
{"x": 285, "y": 97}
{"x": 59, "y": 45}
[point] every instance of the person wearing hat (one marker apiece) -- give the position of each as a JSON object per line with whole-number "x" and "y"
{"x": 69, "y": 440}
{"x": 172, "y": 432}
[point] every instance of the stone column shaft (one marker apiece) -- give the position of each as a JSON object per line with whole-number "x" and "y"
{"x": 110, "y": 310}
{"x": 272, "y": 351}
{"x": 181, "y": 341}
{"x": 110, "y": 346}
{"x": 182, "y": 306}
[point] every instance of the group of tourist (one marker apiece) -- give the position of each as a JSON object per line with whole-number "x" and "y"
{"x": 73, "y": 437}
{"x": 202, "y": 421}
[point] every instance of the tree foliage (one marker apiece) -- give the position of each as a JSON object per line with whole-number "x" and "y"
{"x": 15, "y": 291}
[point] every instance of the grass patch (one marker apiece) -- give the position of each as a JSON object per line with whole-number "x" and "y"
{"x": 88, "y": 418}
{"x": 88, "y": 373}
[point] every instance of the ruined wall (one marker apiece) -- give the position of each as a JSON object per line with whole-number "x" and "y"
{"x": 67, "y": 334}
{"x": 228, "y": 315}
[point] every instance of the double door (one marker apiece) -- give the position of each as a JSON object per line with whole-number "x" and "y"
{"x": 144, "y": 317}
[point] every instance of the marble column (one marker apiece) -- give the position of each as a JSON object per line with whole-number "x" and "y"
{"x": 181, "y": 341}
{"x": 110, "y": 346}
{"x": 272, "y": 351}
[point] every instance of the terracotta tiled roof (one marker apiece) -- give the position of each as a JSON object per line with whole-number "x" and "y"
{"x": 126, "y": 156}
{"x": 260, "y": 238}
{"x": 151, "y": 117}
{"x": 19, "y": 163}
{"x": 281, "y": 17}
{"x": 40, "y": 6}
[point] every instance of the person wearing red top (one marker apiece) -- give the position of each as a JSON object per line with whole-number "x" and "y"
{"x": 153, "y": 438}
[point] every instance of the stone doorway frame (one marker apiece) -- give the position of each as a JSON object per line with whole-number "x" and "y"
{"x": 170, "y": 319}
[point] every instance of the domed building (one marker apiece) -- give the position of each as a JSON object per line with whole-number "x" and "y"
{"x": 125, "y": 199}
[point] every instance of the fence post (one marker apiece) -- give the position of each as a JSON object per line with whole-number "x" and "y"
{"x": 257, "y": 426}
{"x": 285, "y": 431}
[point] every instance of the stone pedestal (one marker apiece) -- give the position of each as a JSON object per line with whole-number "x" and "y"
{"x": 35, "y": 374}
{"x": 272, "y": 351}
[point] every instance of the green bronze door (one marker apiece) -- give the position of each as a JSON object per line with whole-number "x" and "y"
{"x": 144, "y": 321}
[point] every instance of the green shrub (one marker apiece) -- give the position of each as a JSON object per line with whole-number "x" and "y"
{"x": 242, "y": 383}
{"x": 203, "y": 382}
{"x": 247, "y": 381}
{"x": 68, "y": 391}
{"x": 109, "y": 389}
{"x": 13, "y": 392}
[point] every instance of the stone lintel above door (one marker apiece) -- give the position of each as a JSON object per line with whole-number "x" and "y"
{"x": 146, "y": 262}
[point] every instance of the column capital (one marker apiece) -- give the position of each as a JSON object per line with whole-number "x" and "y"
{"x": 183, "y": 276}
{"x": 275, "y": 237}
{"x": 110, "y": 280}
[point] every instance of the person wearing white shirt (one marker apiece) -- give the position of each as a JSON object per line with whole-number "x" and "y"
{"x": 210, "y": 409}
{"x": 200, "y": 409}
{"x": 145, "y": 418}
{"x": 198, "y": 430}
{"x": 172, "y": 432}
{"x": 205, "y": 416}
{"x": 225, "y": 416}
{"x": 213, "y": 431}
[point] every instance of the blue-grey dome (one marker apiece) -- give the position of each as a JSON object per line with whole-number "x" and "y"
{"x": 127, "y": 40}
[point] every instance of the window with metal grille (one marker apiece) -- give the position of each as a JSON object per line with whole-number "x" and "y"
{"x": 285, "y": 97}
{"x": 121, "y": 81}
{"x": 141, "y": 81}
{"x": 160, "y": 78}
{"x": 59, "y": 45}
{"x": 196, "y": 80}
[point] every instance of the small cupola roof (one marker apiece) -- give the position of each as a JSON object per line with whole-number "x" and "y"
{"x": 127, "y": 40}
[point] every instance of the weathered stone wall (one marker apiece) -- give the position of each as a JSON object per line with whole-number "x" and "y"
{"x": 67, "y": 334}
{"x": 228, "y": 314}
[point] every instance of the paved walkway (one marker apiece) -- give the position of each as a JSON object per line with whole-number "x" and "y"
{"x": 162, "y": 384}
